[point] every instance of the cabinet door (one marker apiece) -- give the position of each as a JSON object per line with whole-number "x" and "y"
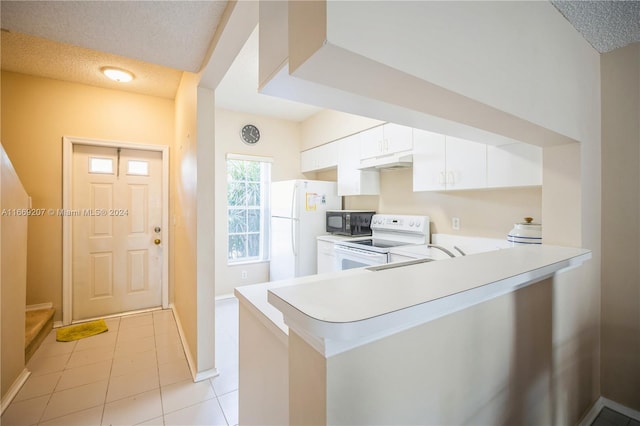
{"x": 308, "y": 161}
{"x": 351, "y": 180}
{"x": 371, "y": 143}
{"x": 396, "y": 138}
{"x": 325, "y": 256}
{"x": 516, "y": 164}
{"x": 320, "y": 158}
{"x": 428, "y": 161}
{"x": 466, "y": 164}
{"x": 328, "y": 156}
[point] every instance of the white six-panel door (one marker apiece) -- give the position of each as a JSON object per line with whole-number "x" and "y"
{"x": 116, "y": 230}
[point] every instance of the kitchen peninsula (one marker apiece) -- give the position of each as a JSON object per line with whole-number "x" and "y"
{"x": 413, "y": 343}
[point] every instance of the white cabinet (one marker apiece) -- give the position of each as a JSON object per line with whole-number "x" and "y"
{"x": 320, "y": 158}
{"x": 466, "y": 164}
{"x": 326, "y": 256}
{"x": 445, "y": 163}
{"x": 385, "y": 140}
{"x": 352, "y": 180}
{"x": 429, "y": 164}
{"x": 516, "y": 164}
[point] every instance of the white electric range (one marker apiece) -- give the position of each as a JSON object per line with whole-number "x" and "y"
{"x": 387, "y": 232}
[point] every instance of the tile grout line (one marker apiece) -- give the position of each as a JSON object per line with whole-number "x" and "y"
{"x": 104, "y": 403}
{"x": 54, "y": 388}
{"x": 155, "y": 345}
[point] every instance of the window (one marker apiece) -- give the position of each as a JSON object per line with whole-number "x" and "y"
{"x": 138, "y": 167}
{"x": 248, "y": 183}
{"x": 100, "y": 165}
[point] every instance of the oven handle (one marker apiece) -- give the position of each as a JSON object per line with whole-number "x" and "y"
{"x": 353, "y": 250}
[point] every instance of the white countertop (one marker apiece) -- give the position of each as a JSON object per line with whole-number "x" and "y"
{"x": 339, "y": 311}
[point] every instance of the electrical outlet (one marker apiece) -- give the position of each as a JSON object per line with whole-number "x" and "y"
{"x": 455, "y": 223}
{"x": 243, "y": 274}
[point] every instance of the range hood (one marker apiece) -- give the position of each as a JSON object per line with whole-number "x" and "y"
{"x": 398, "y": 160}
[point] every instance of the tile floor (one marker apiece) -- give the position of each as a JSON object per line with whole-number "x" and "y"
{"x": 608, "y": 417}
{"x": 136, "y": 373}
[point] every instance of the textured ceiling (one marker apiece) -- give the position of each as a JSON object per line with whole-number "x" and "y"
{"x": 175, "y": 34}
{"x": 606, "y": 25}
{"x": 37, "y": 56}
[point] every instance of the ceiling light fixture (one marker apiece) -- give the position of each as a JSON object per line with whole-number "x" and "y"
{"x": 117, "y": 74}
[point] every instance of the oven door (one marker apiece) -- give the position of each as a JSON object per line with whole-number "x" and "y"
{"x": 351, "y": 257}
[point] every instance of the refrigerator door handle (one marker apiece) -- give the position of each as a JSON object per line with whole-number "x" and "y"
{"x": 294, "y": 218}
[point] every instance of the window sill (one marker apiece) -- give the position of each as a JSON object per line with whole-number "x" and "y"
{"x": 246, "y": 262}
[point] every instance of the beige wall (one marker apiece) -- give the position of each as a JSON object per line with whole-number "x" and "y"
{"x": 487, "y": 213}
{"x": 13, "y": 287}
{"x": 36, "y": 114}
{"x": 329, "y": 125}
{"x": 184, "y": 232}
{"x": 279, "y": 140}
{"x": 621, "y": 226}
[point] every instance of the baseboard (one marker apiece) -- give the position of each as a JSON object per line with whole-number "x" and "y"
{"x": 593, "y": 412}
{"x": 208, "y": 374}
{"x": 57, "y": 324}
{"x": 39, "y": 306}
{"x": 602, "y": 402}
{"x": 629, "y": 412}
{"x": 14, "y": 389}
{"x": 185, "y": 346}
{"x": 225, "y": 296}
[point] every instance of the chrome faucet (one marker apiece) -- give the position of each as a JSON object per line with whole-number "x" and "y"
{"x": 441, "y": 249}
{"x": 460, "y": 250}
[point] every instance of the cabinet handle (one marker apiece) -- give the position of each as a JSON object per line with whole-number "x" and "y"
{"x": 442, "y": 180}
{"x": 451, "y": 178}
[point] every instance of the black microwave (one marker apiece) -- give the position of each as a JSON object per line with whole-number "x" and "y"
{"x": 349, "y": 222}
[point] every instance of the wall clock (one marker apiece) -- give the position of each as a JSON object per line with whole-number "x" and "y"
{"x": 250, "y": 134}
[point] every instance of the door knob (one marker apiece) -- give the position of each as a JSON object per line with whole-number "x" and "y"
{"x": 157, "y": 241}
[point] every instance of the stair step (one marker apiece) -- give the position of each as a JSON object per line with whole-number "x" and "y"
{"x": 38, "y": 324}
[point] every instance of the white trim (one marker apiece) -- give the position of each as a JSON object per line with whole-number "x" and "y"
{"x": 58, "y": 324}
{"x": 629, "y": 412}
{"x": 183, "y": 340}
{"x": 197, "y": 376}
{"x": 14, "y": 389}
{"x": 245, "y": 157}
{"x": 225, "y": 296}
{"x": 603, "y": 402}
{"x": 593, "y": 412}
{"x": 39, "y": 306}
{"x": 207, "y": 374}
{"x": 67, "y": 178}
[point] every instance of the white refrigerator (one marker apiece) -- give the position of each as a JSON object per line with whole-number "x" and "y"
{"x": 297, "y": 218}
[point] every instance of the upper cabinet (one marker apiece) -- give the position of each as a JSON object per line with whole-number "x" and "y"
{"x": 352, "y": 180}
{"x": 385, "y": 140}
{"x": 320, "y": 158}
{"x": 440, "y": 163}
{"x": 446, "y": 163}
{"x": 516, "y": 164}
